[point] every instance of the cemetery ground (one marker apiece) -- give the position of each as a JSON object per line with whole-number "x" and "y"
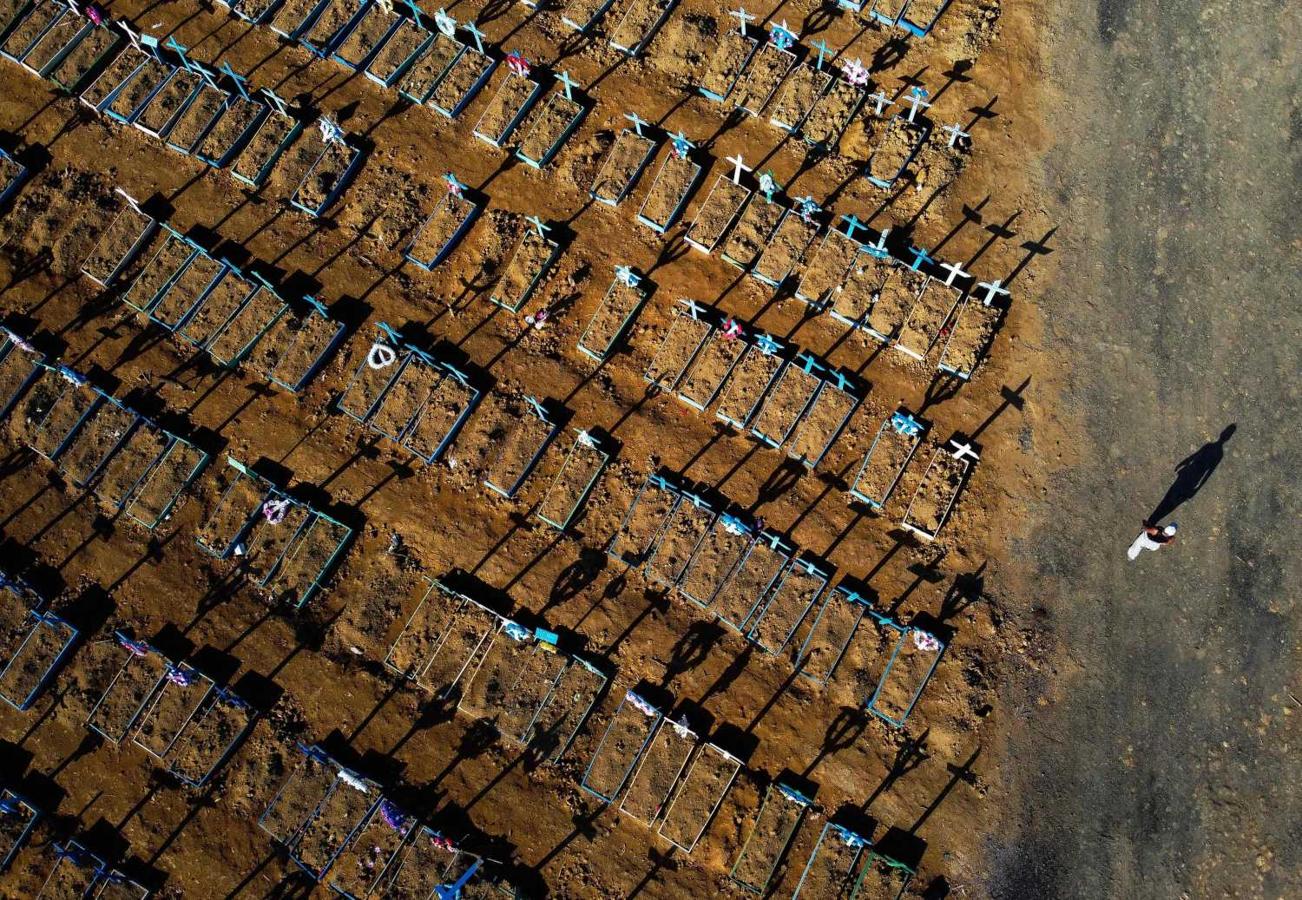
{"x": 965, "y": 782}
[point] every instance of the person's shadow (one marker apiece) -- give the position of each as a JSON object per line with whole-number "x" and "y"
{"x": 1191, "y": 473}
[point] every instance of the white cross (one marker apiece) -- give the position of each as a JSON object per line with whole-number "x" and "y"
{"x": 743, "y": 17}
{"x": 962, "y": 450}
{"x": 955, "y": 132}
{"x": 694, "y": 309}
{"x": 880, "y": 101}
{"x": 331, "y": 133}
{"x": 637, "y": 121}
{"x": 955, "y": 272}
{"x": 879, "y": 249}
{"x": 628, "y": 276}
{"x": 740, "y": 165}
{"x": 477, "y": 35}
{"x": 992, "y": 289}
{"x": 916, "y": 98}
{"x": 538, "y": 225}
{"x": 445, "y": 23}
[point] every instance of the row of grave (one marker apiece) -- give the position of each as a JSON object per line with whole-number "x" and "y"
{"x": 196, "y": 109}
{"x": 917, "y": 17}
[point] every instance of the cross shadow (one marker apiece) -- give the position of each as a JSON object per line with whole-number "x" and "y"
{"x": 1191, "y": 473}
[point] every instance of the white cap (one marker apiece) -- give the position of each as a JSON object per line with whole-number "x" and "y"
{"x": 1169, "y": 530}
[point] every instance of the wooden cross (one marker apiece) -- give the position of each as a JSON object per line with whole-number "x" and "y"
{"x": 880, "y": 101}
{"x": 538, "y": 226}
{"x": 917, "y": 97}
{"x": 993, "y": 289}
{"x": 235, "y": 77}
{"x": 920, "y": 256}
{"x": 637, "y": 121}
{"x": 570, "y": 84}
{"x": 179, "y": 49}
{"x": 743, "y": 17}
{"x": 955, "y": 272}
{"x": 879, "y": 249}
{"x": 739, "y": 167}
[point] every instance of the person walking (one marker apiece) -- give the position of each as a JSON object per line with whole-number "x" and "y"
{"x": 1151, "y": 538}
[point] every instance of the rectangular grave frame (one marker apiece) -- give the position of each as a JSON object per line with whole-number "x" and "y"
{"x": 422, "y": 45}
{"x": 73, "y": 852}
{"x": 402, "y": 353}
{"x": 557, "y": 98}
{"x": 582, "y": 28}
{"x": 115, "y": 877}
{"x": 837, "y": 385}
{"x": 601, "y": 354}
{"x": 588, "y": 442}
{"x": 253, "y": 532}
{"x": 102, "y": 59}
{"x": 848, "y": 837}
{"x": 19, "y": 54}
{"x": 399, "y": 78}
{"x": 727, "y": 90}
{"x": 206, "y": 683}
{"x": 696, "y": 403}
{"x": 404, "y": 838}
{"x": 315, "y": 308}
{"x": 8, "y": 347}
{"x": 902, "y": 634}
{"x": 177, "y": 74}
{"x": 20, "y": 11}
{"x": 525, "y": 642}
{"x": 265, "y": 488}
{"x": 684, "y": 311}
{"x": 239, "y": 9}
{"x": 733, "y": 525}
{"x": 471, "y": 92}
{"x": 341, "y": 183}
{"x": 325, "y": 49}
{"x": 412, "y": 358}
{"x": 664, "y": 726}
{"x": 820, "y": 301}
{"x": 784, "y": 552}
{"x": 891, "y": 863}
{"x": 12, "y": 803}
{"x": 777, "y": 440}
{"x": 192, "y": 303}
{"x": 425, "y": 833}
{"x": 11, "y": 186}
{"x": 755, "y": 109}
{"x": 138, "y": 243}
{"x": 552, "y": 252}
{"x": 215, "y": 696}
{"x": 45, "y": 62}
{"x": 754, "y": 271}
{"x": 949, "y": 507}
{"x": 649, "y": 34}
{"x": 499, "y": 140}
{"x": 950, "y": 308}
{"x": 453, "y": 239}
{"x": 311, "y": 752}
{"x": 743, "y": 424}
{"x": 808, "y": 567}
{"x": 887, "y": 183}
{"x": 657, "y": 481}
{"x": 439, "y": 592}
{"x": 662, "y": 227}
{"x": 921, "y": 29}
{"x": 104, "y": 105}
{"x": 794, "y": 127}
{"x": 720, "y": 179}
{"x": 118, "y": 737}
{"x": 326, "y": 569}
{"x": 229, "y": 271}
{"x": 262, "y": 287}
{"x": 206, "y": 83}
{"x": 530, "y": 736}
{"x": 537, "y": 410}
{"x": 776, "y": 792}
{"x": 637, "y": 705}
{"x": 651, "y": 147}
{"x": 859, "y": 604}
{"x": 683, "y": 786}
{"x": 686, "y": 498}
{"x": 257, "y": 179}
{"x": 359, "y": 65}
{"x": 42, "y": 619}
{"x": 173, "y": 442}
{"x": 75, "y": 382}
{"x": 345, "y": 778}
{"x": 901, "y": 424}
{"x": 450, "y": 372}
{"x": 886, "y": 18}
{"x": 970, "y": 306}
{"x": 292, "y": 30}
{"x": 544, "y": 644}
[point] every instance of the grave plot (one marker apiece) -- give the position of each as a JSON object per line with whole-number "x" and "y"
{"x": 642, "y": 525}
{"x": 200, "y": 110}
{"x": 404, "y": 45}
{"x": 326, "y": 177}
{"x": 507, "y": 108}
{"x": 741, "y": 595}
{"x": 793, "y": 391}
{"x": 332, "y": 25}
{"x": 269, "y": 536}
{"x": 769, "y": 66}
{"x": 440, "y": 638}
{"x": 933, "y": 308}
{"x": 378, "y": 369}
{"x": 797, "y": 96}
{"x": 832, "y": 114}
{"x": 460, "y": 82}
{"x": 334, "y": 822}
{"x": 909, "y": 667}
{"x": 17, "y": 820}
{"x": 43, "y": 391}
{"x": 444, "y": 411}
{"x": 158, "y": 272}
{"x": 639, "y": 25}
{"x": 75, "y": 872}
{"x": 29, "y": 28}
{"x": 617, "y": 309}
{"x": 372, "y": 29}
{"x": 752, "y": 233}
{"x": 159, "y": 489}
{"x": 883, "y": 878}
{"x": 430, "y": 862}
{"x": 969, "y": 337}
{"x": 888, "y": 12}
{"x": 726, "y": 63}
{"x": 226, "y": 524}
{"x": 533, "y": 255}
{"x": 831, "y": 633}
{"x": 222, "y": 301}
{"x": 230, "y": 132}
{"x": 126, "y": 86}
{"x": 372, "y": 852}
{"x": 20, "y": 364}
{"x": 491, "y": 680}
{"x": 850, "y": 301}
{"x": 124, "y": 469}
{"x": 187, "y": 290}
{"x": 921, "y": 16}
{"x": 825, "y": 418}
{"x": 17, "y": 605}
{"x": 104, "y": 429}
{"x": 10, "y": 13}
{"x": 406, "y": 395}
{"x": 832, "y": 867}
{"x": 27, "y": 670}
{"x": 174, "y": 704}
{"x": 298, "y": 798}
{"x": 668, "y": 194}
{"x": 721, "y": 207}
{"x": 582, "y": 14}
{"x": 421, "y": 70}
{"x": 292, "y": 17}
{"x": 132, "y": 687}
{"x": 898, "y": 145}
{"x": 550, "y": 126}
{"x": 84, "y": 56}
{"x": 828, "y": 268}
{"x": 125, "y": 236}
{"x": 256, "y": 315}
{"x": 163, "y": 110}
{"x": 686, "y": 336}
{"x": 785, "y": 248}
{"x": 709, "y": 370}
{"x": 628, "y": 156}
{"x": 578, "y": 474}
{"x": 941, "y": 484}
{"x": 519, "y": 448}
{"x": 12, "y": 175}
{"x": 255, "y": 12}
{"x": 566, "y": 708}
{"x": 211, "y": 737}
{"x": 297, "y": 345}
{"x": 626, "y": 737}
{"x": 896, "y": 295}
{"x": 896, "y": 441}
{"x": 309, "y": 560}
{"x": 441, "y": 230}
{"x": 54, "y": 39}
{"x": 266, "y": 145}
{"x": 716, "y": 556}
{"x": 77, "y": 401}
{"x": 758, "y": 368}
{"x": 115, "y": 885}
{"x": 793, "y": 596}
{"x": 537, "y": 677}
{"x": 780, "y": 814}
{"x": 687, "y": 526}
{"x": 699, "y": 796}
{"x": 666, "y": 756}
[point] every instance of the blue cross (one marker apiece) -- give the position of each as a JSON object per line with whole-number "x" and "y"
{"x": 275, "y": 100}
{"x": 852, "y": 224}
{"x": 782, "y": 36}
{"x": 823, "y": 50}
{"x": 768, "y": 346}
{"x": 235, "y": 77}
{"x": 416, "y": 11}
{"x": 919, "y": 257}
{"x": 842, "y": 381}
{"x": 811, "y": 365}
{"x": 637, "y": 121}
{"x": 682, "y": 146}
{"x": 178, "y": 48}
{"x": 570, "y": 84}
{"x": 660, "y": 481}
{"x": 453, "y": 891}
{"x": 454, "y": 186}
{"x": 539, "y": 410}
{"x": 476, "y": 34}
